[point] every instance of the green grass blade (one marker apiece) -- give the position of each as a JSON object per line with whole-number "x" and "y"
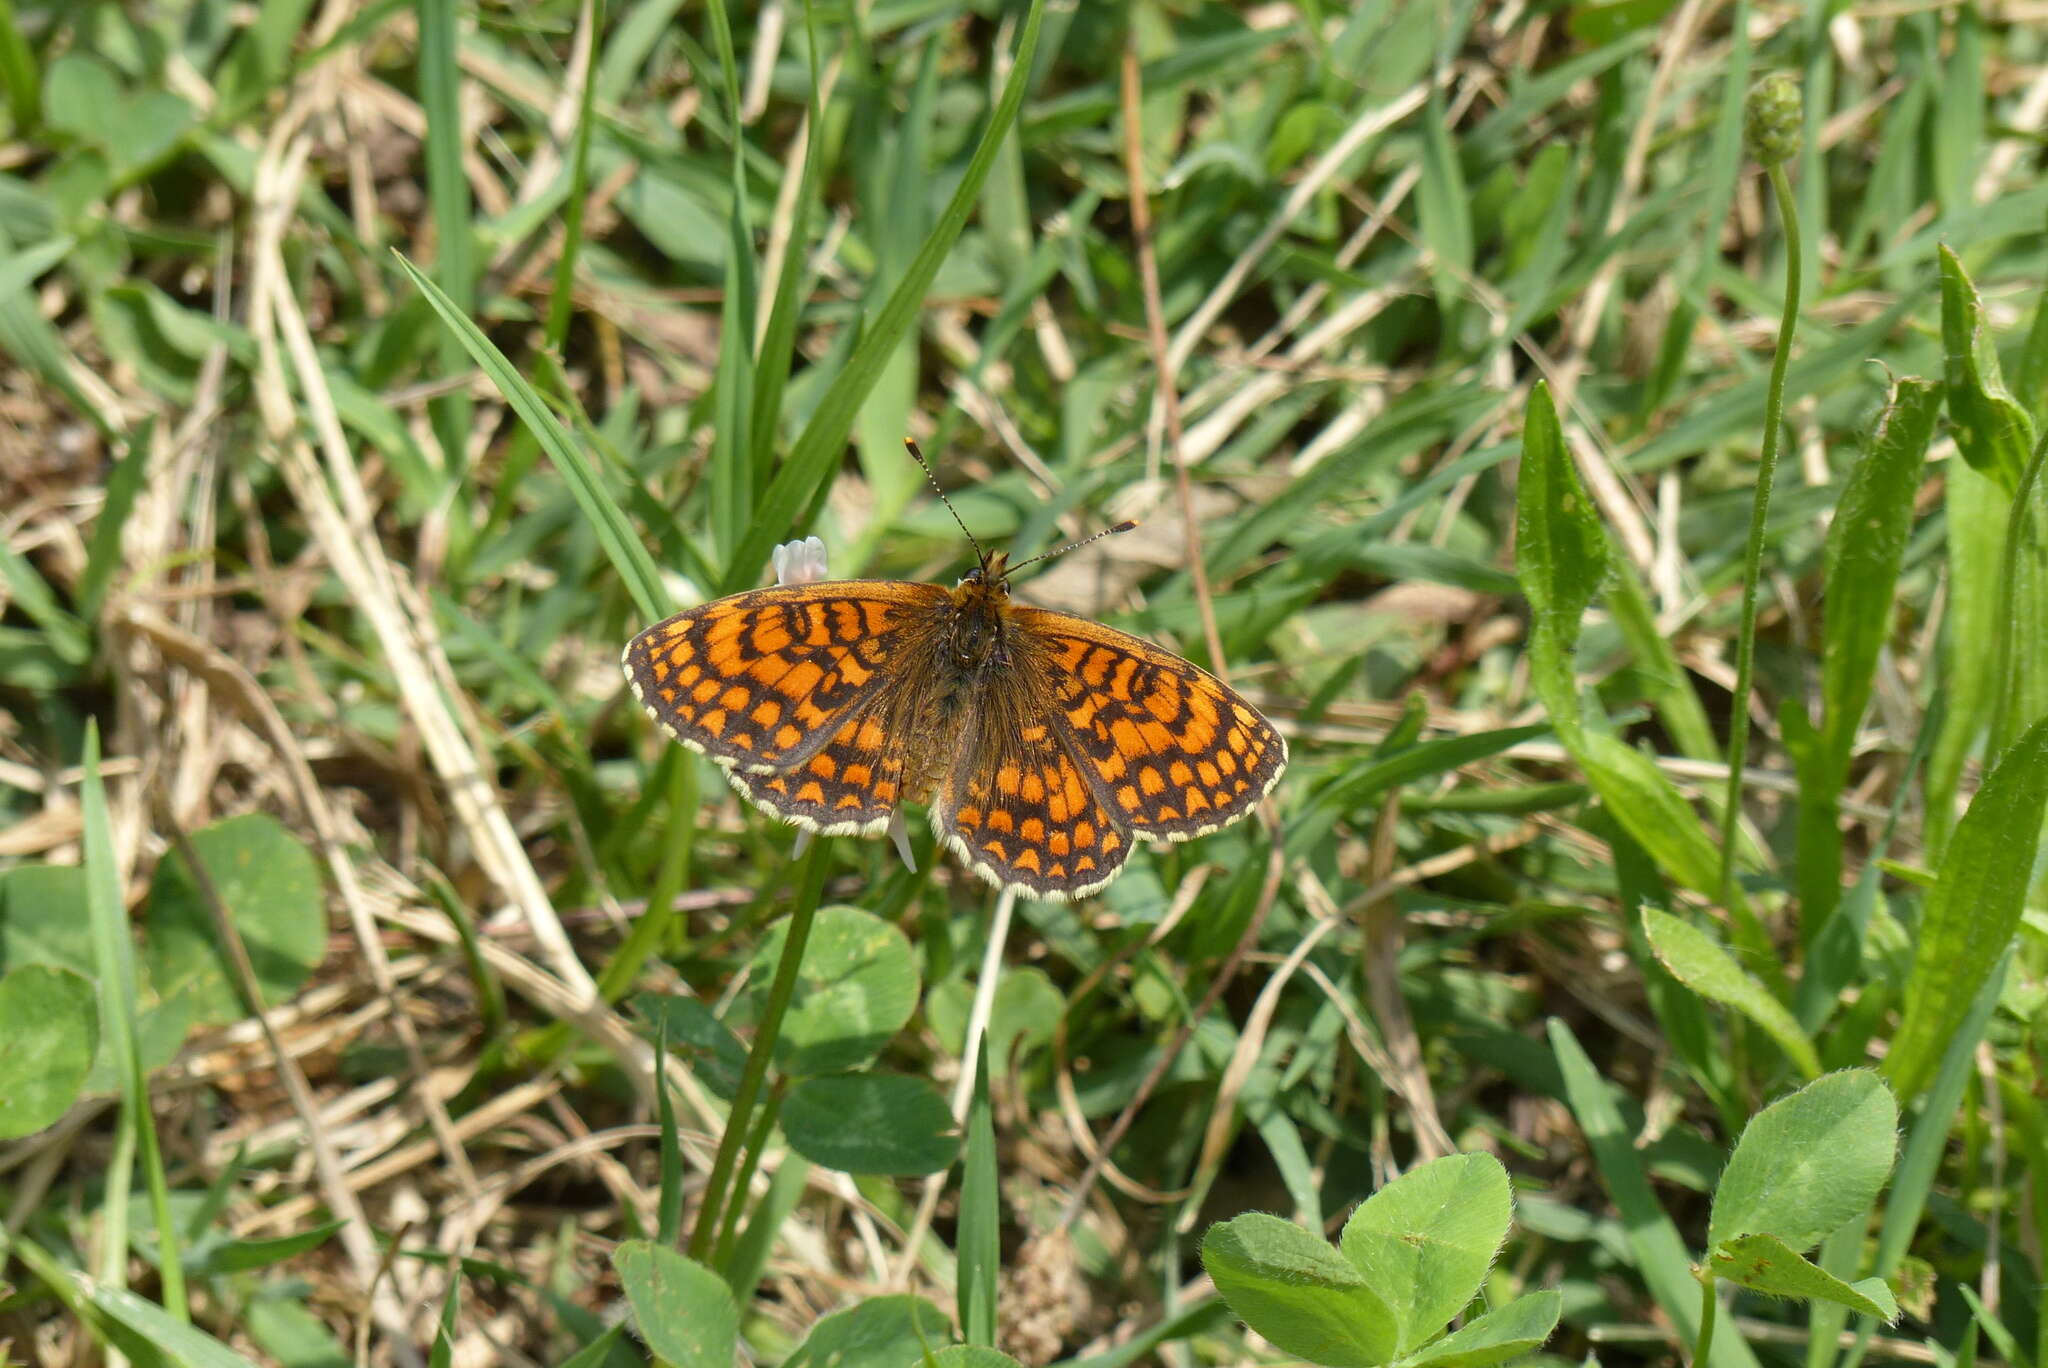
{"x": 440, "y": 92}
{"x": 981, "y": 1217}
{"x": 818, "y": 449}
{"x": 103, "y": 553}
{"x": 733, "y": 472}
{"x": 562, "y": 298}
{"x": 19, "y": 75}
{"x": 615, "y": 533}
{"x": 778, "y": 337}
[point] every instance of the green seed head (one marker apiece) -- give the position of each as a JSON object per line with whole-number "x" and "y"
{"x": 1770, "y": 119}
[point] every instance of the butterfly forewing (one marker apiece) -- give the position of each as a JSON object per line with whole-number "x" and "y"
{"x": 763, "y": 681}
{"x": 1174, "y": 752}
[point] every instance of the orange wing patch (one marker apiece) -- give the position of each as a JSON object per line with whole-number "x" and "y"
{"x": 1171, "y": 749}
{"x": 1020, "y": 812}
{"x": 761, "y": 681}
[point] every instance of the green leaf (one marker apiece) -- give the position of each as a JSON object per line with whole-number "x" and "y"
{"x": 1765, "y": 1263}
{"x": 1992, "y": 430}
{"x": 684, "y": 1311}
{"x": 103, "y": 557}
{"x": 1426, "y": 1239}
{"x": 978, "y": 1245}
{"x": 245, "y": 1256}
{"x": 1560, "y": 556}
{"x": 856, "y": 988}
{"x": 20, "y": 269}
{"x": 970, "y": 1356}
{"x": 1293, "y": 1288}
{"x": 598, "y": 1353}
{"x": 2019, "y": 680}
{"x": 43, "y": 918}
{"x": 270, "y": 886}
{"x": 1022, "y": 1016}
{"x": 880, "y": 1332}
{"x": 614, "y": 531}
{"x": 871, "y": 1123}
{"x": 1660, "y": 1255}
{"x": 1504, "y": 1333}
{"x": 1866, "y": 545}
{"x": 1698, "y": 961}
{"x": 443, "y": 1353}
{"x": 1808, "y": 1162}
{"x": 1974, "y": 910}
{"x": 698, "y": 1037}
{"x": 1976, "y": 512}
{"x": 821, "y": 445}
{"x": 49, "y": 1031}
{"x": 1652, "y": 809}
{"x": 1444, "y": 202}
{"x": 179, "y": 1343}
{"x": 32, "y": 594}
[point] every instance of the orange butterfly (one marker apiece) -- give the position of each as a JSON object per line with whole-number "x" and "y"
{"x": 1045, "y": 743}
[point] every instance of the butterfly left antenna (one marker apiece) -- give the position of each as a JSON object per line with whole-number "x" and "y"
{"x": 1126, "y": 525}
{"x": 933, "y": 480}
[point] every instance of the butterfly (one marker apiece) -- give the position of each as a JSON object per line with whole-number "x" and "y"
{"x": 1045, "y": 744}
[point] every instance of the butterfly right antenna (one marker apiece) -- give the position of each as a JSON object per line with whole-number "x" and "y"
{"x": 933, "y": 480}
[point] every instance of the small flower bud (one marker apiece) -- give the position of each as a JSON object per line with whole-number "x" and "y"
{"x": 1771, "y": 118}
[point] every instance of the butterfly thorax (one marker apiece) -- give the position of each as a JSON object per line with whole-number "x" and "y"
{"x": 977, "y": 627}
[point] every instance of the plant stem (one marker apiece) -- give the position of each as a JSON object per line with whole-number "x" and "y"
{"x": 764, "y": 1125}
{"x": 1753, "y": 548}
{"x": 810, "y": 887}
{"x": 1710, "y": 1309}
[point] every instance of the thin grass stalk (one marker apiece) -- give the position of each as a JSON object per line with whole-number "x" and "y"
{"x": 978, "y": 1015}
{"x": 810, "y": 887}
{"x": 440, "y": 91}
{"x": 113, "y": 959}
{"x": 650, "y": 930}
{"x": 560, "y": 299}
{"x": 1753, "y": 547}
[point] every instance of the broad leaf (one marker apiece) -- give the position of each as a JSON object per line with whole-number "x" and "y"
{"x": 1808, "y": 1162}
{"x": 49, "y": 1032}
{"x": 1698, "y": 961}
{"x": 856, "y": 988}
{"x": 1426, "y": 1239}
{"x": 1502, "y": 1334}
{"x": 1767, "y": 1264}
{"x": 1974, "y": 910}
{"x": 1292, "y": 1287}
{"x": 684, "y": 1311}
{"x": 871, "y": 1123}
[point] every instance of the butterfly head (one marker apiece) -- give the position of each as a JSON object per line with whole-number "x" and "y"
{"x": 991, "y": 575}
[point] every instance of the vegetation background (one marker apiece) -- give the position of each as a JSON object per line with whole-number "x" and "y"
{"x": 310, "y": 612}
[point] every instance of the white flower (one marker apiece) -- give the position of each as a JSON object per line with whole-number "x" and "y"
{"x": 800, "y": 562}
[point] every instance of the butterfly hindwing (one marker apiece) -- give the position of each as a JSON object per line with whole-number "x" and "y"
{"x": 1173, "y": 751}
{"x": 1019, "y": 811}
{"x": 850, "y": 786}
